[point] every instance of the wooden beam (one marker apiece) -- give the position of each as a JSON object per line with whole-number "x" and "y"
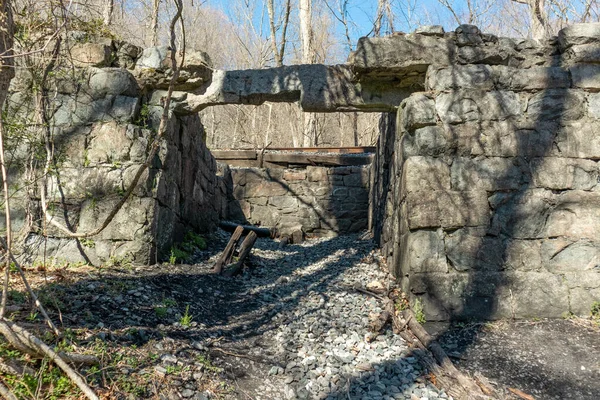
{"x": 319, "y": 159}
{"x": 227, "y": 254}
{"x": 232, "y": 226}
{"x": 234, "y": 154}
{"x": 245, "y": 249}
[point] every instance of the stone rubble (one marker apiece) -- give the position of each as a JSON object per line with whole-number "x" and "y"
{"x": 321, "y": 340}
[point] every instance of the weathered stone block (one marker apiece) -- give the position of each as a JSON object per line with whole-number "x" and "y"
{"x": 523, "y": 255}
{"x": 584, "y": 290}
{"x": 459, "y": 77}
{"x": 425, "y": 252}
{"x": 531, "y": 294}
{"x": 493, "y": 173}
{"x": 536, "y": 78}
{"x": 538, "y": 213}
{"x": 402, "y": 53}
{"x": 354, "y": 180}
{"x": 91, "y": 55}
{"x": 469, "y": 249}
{"x": 430, "y": 141}
{"x": 447, "y": 209}
{"x": 491, "y": 55}
{"x": 283, "y": 202}
{"x": 458, "y": 295}
{"x": 112, "y": 81}
{"x": 564, "y": 173}
{"x": 521, "y": 214}
{"x": 417, "y": 111}
{"x": 463, "y": 106}
{"x": 425, "y": 173}
{"x": 578, "y": 139}
{"x": 264, "y": 189}
{"x": 575, "y": 214}
{"x": 264, "y": 216}
{"x": 430, "y": 30}
{"x": 584, "y": 53}
{"x": 556, "y": 104}
{"x": 292, "y": 175}
{"x": 124, "y": 108}
{"x": 563, "y": 255}
{"x": 579, "y": 34}
{"x": 316, "y": 174}
{"x": 131, "y": 221}
{"x": 586, "y": 76}
{"x": 109, "y": 143}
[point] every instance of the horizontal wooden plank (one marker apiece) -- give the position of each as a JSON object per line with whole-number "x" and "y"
{"x": 319, "y": 159}
{"x": 234, "y": 154}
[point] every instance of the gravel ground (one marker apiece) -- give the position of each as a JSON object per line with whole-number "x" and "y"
{"x": 321, "y": 333}
{"x": 293, "y": 326}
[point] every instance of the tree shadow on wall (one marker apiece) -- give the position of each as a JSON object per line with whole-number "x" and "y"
{"x": 493, "y": 271}
{"x": 341, "y": 209}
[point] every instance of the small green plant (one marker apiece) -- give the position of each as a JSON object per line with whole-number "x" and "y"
{"x": 169, "y": 302}
{"x": 186, "y": 318}
{"x": 177, "y": 254}
{"x": 32, "y": 316}
{"x": 161, "y": 312}
{"x": 595, "y": 312}
{"x": 195, "y": 240}
{"x": 207, "y": 363}
{"x": 418, "y": 310}
{"x": 144, "y": 118}
{"x": 173, "y": 369}
{"x": 89, "y": 243}
{"x": 16, "y": 296}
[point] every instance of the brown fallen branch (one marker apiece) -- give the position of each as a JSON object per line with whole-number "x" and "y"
{"x": 520, "y": 394}
{"x": 227, "y": 254}
{"x": 232, "y": 226}
{"x": 6, "y": 393}
{"x": 437, "y": 361}
{"x": 245, "y": 249}
{"x": 29, "y": 289}
{"x": 470, "y": 388}
{"x": 14, "y": 367}
{"x": 30, "y": 343}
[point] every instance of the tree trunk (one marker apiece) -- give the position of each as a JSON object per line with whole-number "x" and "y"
{"x": 154, "y": 27}
{"x": 306, "y": 32}
{"x": 539, "y": 19}
{"x": 7, "y": 72}
{"x": 538, "y": 16}
{"x": 108, "y": 11}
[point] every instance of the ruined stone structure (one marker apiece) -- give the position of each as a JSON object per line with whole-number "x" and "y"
{"x": 103, "y": 120}
{"x": 319, "y": 201}
{"x": 489, "y": 175}
{"x": 484, "y": 193}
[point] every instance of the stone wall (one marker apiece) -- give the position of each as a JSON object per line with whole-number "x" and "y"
{"x": 319, "y": 201}
{"x": 492, "y": 206}
{"x": 104, "y": 115}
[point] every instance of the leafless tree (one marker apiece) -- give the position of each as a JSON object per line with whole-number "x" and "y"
{"x": 279, "y": 46}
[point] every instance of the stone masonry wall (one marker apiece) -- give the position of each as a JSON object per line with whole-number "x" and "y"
{"x": 103, "y": 120}
{"x": 492, "y": 207}
{"x": 319, "y": 201}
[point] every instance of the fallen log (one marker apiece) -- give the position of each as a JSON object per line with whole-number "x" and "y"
{"x": 470, "y": 389}
{"x": 457, "y": 384}
{"x": 227, "y": 254}
{"x": 245, "y": 249}
{"x": 232, "y": 226}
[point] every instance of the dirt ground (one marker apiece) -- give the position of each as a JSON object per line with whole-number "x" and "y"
{"x": 547, "y": 359}
{"x": 178, "y": 331}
